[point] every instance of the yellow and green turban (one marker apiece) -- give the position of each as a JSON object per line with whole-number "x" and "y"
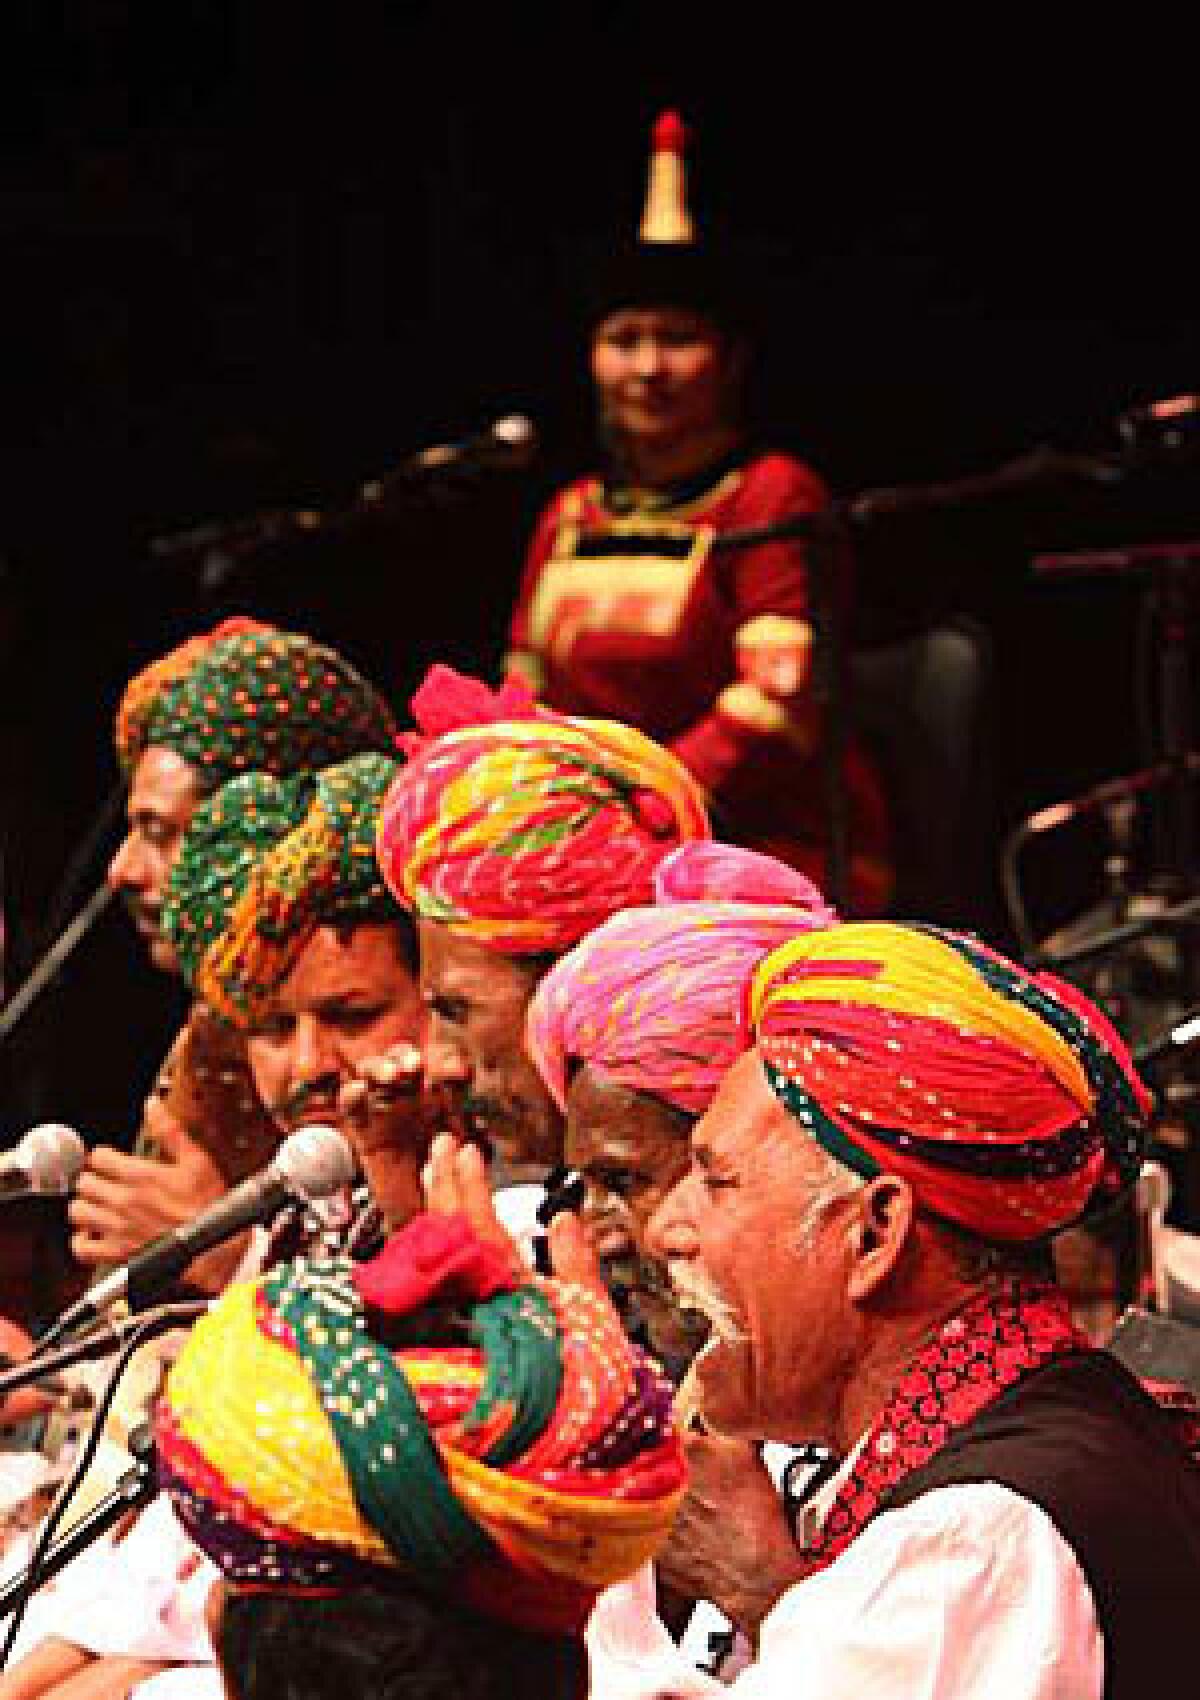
{"x": 263, "y": 864}
{"x": 509, "y": 1446}
{"x": 1005, "y": 1098}
{"x": 247, "y": 697}
{"x": 525, "y": 829}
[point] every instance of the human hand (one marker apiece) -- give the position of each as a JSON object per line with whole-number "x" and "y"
{"x": 25, "y": 1402}
{"x": 730, "y": 1542}
{"x": 122, "y": 1201}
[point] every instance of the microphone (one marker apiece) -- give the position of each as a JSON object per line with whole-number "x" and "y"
{"x": 1170, "y": 418}
{"x": 46, "y": 1160}
{"x": 1180, "y": 1036}
{"x": 507, "y": 444}
{"x": 310, "y": 1164}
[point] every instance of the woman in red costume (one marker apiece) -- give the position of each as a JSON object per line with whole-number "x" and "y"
{"x": 626, "y": 608}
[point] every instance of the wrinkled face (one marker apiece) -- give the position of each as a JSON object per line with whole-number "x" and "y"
{"x": 350, "y": 996}
{"x": 661, "y": 373}
{"x": 475, "y": 1003}
{"x": 783, "y": 1332}
{"x": 163, "y": 796}
{"x": 631, "y": 1149}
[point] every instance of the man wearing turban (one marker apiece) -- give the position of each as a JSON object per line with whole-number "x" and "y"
{"x": 510, "y": 834}
{"x": 279, "y": 922}
{"x": 416, "y": 1473}
{"x": 283, "y": 928}
{"x": 242, "y": 697}
{"x": 632, "y": 1032}
{"x": 864, "y": 1222}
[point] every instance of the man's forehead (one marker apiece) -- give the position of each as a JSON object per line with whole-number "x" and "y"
{"x": 339, "y": 961}
{"x": 451, "y": 962}
{"x": 743, "y": 1111}
{"x": 163, "y": 783}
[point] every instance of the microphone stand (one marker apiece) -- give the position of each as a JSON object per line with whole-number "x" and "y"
{"x": 98, "y": 1343}
{"x": 48, "y": 968}
{"x": 135, "y": 1489}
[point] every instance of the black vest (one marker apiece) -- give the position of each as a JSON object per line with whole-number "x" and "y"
{"x": 1082, "y": 1440}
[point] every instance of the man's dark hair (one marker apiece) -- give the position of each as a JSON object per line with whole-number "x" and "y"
{"x": 402, "y": 1645}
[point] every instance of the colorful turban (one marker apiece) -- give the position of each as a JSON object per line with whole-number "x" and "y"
{"x": 247, "y": 697}
{"x": 522, "y": 1467}
{"x": 524, "y": 832}
{"x": 263, "y": 864}
{"x": 1005, "y": 1098}
{"x": 655, "y": 998}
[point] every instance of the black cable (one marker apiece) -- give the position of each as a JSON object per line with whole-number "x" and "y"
{"x": 145, "y": 1328}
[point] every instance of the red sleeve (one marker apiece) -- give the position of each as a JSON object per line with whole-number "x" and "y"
{"x": 522, "y": 658}
{"x": 767, "y": 695}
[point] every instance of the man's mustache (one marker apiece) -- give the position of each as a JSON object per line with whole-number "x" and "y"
{"x": 300, "y": 1102}
{"x": 695, "y": 1292}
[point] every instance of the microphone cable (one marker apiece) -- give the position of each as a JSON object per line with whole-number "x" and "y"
{"x": 144, "y": 1328}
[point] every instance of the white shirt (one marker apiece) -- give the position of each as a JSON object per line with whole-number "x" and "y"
{"x": 969, "y": 1592}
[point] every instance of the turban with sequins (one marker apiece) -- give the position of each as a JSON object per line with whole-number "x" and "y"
{"x": 247, "y": 697}
{"x": 263, "y": 864}
{"x": 1005, "y": 1098}
{"x": 654, "y": 999}
{"x": 524, "y": 829}
{"x": 523, "y": 1467}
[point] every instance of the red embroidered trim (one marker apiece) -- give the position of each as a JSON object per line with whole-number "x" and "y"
{"x": 998, "y": 1337}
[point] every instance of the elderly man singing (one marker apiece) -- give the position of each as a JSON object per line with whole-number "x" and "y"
{"x": 864, "y": 1223}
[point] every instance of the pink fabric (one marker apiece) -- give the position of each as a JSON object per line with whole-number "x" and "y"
{"x": 654, "y": 999}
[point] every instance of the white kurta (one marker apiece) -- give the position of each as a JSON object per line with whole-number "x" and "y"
{"x": 968, "y": 1593}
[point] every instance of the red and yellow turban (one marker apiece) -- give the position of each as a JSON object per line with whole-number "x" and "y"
{"x": 654, "y": 999}
{"x": 1005, "y": 1098}
{"x": 248, "y": 697}
{"x": 264, "y": 863}
{"x": 526, "y": 829}
{"x": 517, "y": 1451}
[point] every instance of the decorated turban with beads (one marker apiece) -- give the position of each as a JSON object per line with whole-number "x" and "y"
{"x": 247, "y": 697}
{"x": 515, "y": 1450}
{"x": 1006, "y": 1099}
{"x": 524, "y": 829}
{"x": 263, "y": 864}
{"x": 654, "y": 999}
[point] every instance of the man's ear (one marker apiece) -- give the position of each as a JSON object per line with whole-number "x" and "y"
{"x": 879, "y": 1231}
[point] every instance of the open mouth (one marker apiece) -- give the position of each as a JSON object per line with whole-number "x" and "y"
{"x": 699, "y": 1299}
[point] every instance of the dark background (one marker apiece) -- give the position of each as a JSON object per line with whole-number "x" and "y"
{"x": 251, "y": 260}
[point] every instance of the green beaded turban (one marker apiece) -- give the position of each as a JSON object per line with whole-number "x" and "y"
{"x": 247, "y": 697}
{"x": 264, "y": 863}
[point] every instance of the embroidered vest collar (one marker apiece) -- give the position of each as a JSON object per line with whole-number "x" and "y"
{"x": 998, "y": 1337}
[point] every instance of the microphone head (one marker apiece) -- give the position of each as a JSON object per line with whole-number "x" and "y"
{"x": 516, "y": 438}
{"x": 52, "y": 1155}
{"x": 314, "y": 1162}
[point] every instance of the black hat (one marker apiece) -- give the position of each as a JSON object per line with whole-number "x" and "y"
{"x": 667, "y": 265}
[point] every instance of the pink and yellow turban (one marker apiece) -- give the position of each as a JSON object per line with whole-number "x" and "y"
{"x": 1005, "y": 1098}
{"x": 247, "y": 697}
{"x": 516, "y": 1451}
{"x": 524, "y": 829}
{"x": 654, "y": 999}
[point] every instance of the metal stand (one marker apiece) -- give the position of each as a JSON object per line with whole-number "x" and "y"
{"x": 136, "y": 1488}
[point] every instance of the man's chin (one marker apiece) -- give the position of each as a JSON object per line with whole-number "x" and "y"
{"x": 161, "y": 950}
{"x": 722, "y": 1374}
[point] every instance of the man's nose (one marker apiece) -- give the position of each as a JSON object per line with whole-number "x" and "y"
{"x": 446, "y": 1061}
{"x": 311, "y": 1057}
{"x": 647, "y": 357}
{"x": 126, "y": 871}
{"x": 669, "y": 1232}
